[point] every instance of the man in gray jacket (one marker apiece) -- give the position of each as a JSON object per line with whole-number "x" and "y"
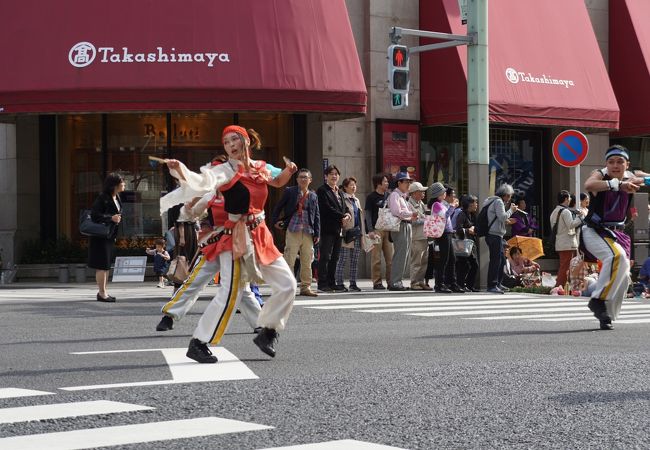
{"x": 497, "y": 219}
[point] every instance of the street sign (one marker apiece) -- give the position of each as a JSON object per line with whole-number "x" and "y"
{"x": 570, "y": 148}
{"x": 129, "y": 268}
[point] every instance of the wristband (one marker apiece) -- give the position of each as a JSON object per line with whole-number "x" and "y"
{"x": 646, "y": 181}
{"x": 614, "y": 184}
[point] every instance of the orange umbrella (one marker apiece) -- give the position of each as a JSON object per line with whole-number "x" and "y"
{"x": 531, "y": 247}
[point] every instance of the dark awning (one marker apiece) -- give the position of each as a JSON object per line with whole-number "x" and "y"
{"x": 545, "y": 66}
{"x": 629, "y": 63}
{"x": 271, "y": 55}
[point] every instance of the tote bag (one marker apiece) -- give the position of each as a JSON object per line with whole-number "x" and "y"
{"x": 93, "y": 229}
{"x": 387, "y": 221}
{"x": 434, "y": 226}
{"x": 179, "y": 270}
{"x": 462, "y": 247}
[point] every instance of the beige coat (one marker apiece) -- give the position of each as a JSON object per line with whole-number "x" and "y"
{"x": 350, "y": 224}
{"x": 567, "y": 232}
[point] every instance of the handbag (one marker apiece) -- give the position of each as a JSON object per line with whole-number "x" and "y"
{"x": 94, "y": 229}
{"x": 369, "y": 243}
{"x": 386, "y": 221}
{"x": 434, "y": 225}
{"x": 352, "y": 234}
{"x": 462, "y": 247}
{"x": 178, "y": 270}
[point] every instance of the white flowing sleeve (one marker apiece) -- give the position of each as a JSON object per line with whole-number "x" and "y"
{"x": 194, "y": 184}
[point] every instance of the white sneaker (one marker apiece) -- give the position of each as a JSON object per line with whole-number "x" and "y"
{"x": 161, "y": 285}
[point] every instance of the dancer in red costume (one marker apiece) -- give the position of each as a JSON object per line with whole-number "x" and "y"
{"x": 246, "y": 251}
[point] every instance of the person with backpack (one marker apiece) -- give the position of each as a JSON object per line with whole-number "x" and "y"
{"x": 495, "y": 214}
{"x": 564, "y": 233}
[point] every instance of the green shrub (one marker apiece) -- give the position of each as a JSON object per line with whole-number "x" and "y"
{"x": 59, "y": 251}
{"x": 532, "y": 290}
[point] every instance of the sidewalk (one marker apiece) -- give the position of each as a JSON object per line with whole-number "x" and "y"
{"x": 54, "y": 291}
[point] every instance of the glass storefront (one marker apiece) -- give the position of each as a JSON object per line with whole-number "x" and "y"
{"x": 515, "y": 158}
{"x": 90, "y": 146}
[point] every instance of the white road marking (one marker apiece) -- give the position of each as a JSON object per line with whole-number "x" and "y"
{"x": 494, "y": 308}
{"x": 17, "y": 392}
{"x": 433, "y": 303}
{"x": 60, "y": 410}
{"x": 129, "y": 434}
{"x": 183, "y": 369}
{"x": 429, "y": 298}
{"x": 346, "y": 444}
{"x": 622, "y": 318}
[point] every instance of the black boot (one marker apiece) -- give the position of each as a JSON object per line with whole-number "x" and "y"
{"x": 199, "y": 352}
{"x": 599, "y": 309}
{"x": 266, "y": 340}
{"x": 165, "y": 324}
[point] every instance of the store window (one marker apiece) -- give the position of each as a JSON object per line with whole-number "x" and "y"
{"x": 639, "y": 148}
{"x": 91, "y": 146}
{"x": 515, "y": 158}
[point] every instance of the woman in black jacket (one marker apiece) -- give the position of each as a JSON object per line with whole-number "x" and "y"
{"x": 467, "y": 266}
{"x": 107, "y": 208}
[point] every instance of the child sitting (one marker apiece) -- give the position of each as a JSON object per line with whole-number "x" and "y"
{"x": 160, "y": 258}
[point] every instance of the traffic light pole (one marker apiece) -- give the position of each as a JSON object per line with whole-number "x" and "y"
{"x": 478, "y": 128}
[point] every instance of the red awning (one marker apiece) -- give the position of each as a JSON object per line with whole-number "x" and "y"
{"x": 271, "y": 55}
{"x": 545, "y": 66}
{"x": 629, "y": 63}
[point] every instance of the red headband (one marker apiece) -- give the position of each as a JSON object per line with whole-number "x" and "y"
{"x": 235, "y": 129}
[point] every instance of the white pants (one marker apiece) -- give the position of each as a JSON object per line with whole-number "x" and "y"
{"x": 613, "y": 279}
{"x": 186, "y": 295}
{"x": 214, "y": 321}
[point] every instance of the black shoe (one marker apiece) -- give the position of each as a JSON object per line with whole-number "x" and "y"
{"x": 339, "y": 288}
{"x": 166, "y": 324}
{"x": 199, "y": 352}
{"x": 354, "y": 287}
{"x": 266, "y": 340}
{"x": 324, "y": 289}
{"x": 378, "y": 287}
{"x": 455, "y": 288}
{"x": 442, "y": 289}
{"x": 599, "y": 308}
{"x": 495, "y": 290}
{"x": 257, "y": 330}
{"x": 503, "y": 288}
{"x": 606, "y": 325}
{"x": 397, "y": 287}
{"x": 471, "y": 289}
{"x": 108, "y": 299}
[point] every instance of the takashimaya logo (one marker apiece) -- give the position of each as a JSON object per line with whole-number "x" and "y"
{"x": 514, "y": 76}
{"x": 83, "y": 54}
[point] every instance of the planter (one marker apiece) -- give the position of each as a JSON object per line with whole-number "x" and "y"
{"x": 80, "y": 273}
{"x": 64, "y": 274}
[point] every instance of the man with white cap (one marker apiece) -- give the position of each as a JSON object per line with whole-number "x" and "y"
{"x": 610, "y": 191}
{"x": 399, "y": 207}
{"x": 419, "y": 244}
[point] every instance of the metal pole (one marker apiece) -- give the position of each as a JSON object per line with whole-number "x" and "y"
{"x": 577, "y": 175}
{"x": 478, "y": 129}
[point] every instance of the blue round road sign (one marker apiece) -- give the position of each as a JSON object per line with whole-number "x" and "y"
{"x": 570, "y": 148}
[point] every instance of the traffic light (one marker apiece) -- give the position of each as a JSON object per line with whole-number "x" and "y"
{"x": 399, "y": 101}
{"x": 398, "y": 69}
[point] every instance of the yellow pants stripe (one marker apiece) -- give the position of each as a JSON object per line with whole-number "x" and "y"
{"x": 614, "y": 270}
{"x": 231, "y": 301}
{"x": 187, "y": 283}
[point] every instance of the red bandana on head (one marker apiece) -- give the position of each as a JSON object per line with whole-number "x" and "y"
{"x": 235, "y": 129}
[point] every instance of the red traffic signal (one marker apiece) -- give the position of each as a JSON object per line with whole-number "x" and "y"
{"x": 399, "y": 56}
{"x": 398, "y": 69}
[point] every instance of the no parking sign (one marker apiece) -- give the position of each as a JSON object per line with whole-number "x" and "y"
{"x": 570, "y": 148}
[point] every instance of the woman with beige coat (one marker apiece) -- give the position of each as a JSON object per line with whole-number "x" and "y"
{"x": 353, "y": 230}
{"x": 566, "y": 224}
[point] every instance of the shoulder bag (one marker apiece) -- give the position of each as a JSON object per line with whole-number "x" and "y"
{"x": 434, "y": 225}
{"x": 178, "y": 270}
{"x": 94, "y": 229}
{"x": 386, "y": 221}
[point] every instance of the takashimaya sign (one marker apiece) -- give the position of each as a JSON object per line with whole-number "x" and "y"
{"x": 83, "y": 54}
{"x": 514, "y": 76}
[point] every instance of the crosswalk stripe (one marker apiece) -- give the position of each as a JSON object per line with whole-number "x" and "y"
{"x": 129, "y": 434}
{"x": 622, "y": 318}
{"x": 432, "y": 303}
{"x": 428, "y": 298}
{"x": 531, "y": 316}
{"x": 345, "y": 444}
{"x": 633, "y": 321}
{"x": 60, "y": 410}
{"x": 490, "y": 311}
{"x": 17, "y": 392}
{"x": 494, "y": 308}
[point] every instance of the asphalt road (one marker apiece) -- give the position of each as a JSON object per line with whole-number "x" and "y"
{"x": 462, "y": 378}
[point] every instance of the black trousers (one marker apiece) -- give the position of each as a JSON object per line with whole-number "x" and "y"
{"x": 330, "y": 247}
{"x": 497, "y": 260}
{"x": 466, "y": 271}
{"x": 446, "y": 264}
